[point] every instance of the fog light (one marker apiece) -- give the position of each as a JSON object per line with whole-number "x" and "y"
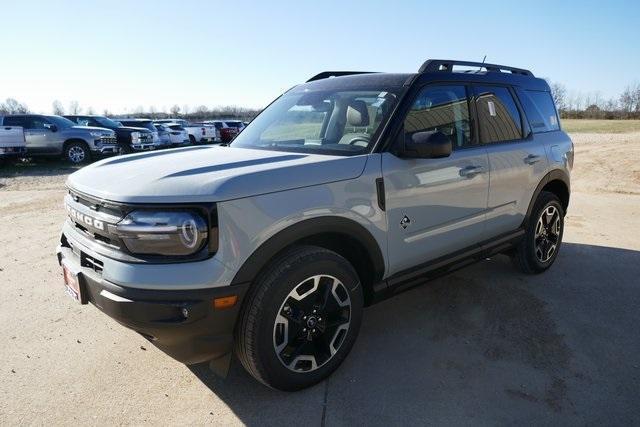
{"x": 185, "y": 313}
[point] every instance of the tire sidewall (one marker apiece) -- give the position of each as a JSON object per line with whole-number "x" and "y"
{"x": 276, "y": 373}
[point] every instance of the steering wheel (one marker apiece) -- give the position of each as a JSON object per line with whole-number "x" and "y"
{"x": 358, "y": 139}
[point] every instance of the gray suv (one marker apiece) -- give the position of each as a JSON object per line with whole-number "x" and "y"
{"x": 345, "y": 190}
{"x": 57, "y": 136}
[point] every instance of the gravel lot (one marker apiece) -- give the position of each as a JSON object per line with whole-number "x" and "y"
{"x": 485, "y": 345}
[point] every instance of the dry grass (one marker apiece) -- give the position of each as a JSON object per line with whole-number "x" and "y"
{"x": 600, "y": 126}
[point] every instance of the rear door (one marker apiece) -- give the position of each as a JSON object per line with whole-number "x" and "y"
{"x": 436, "y": 206}
{"x": 518, "y": 162}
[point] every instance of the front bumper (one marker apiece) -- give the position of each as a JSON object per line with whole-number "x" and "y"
{"x": 143, "y": 147}
{"x": 106, "y": 149}
{"x": 182, "y": 323}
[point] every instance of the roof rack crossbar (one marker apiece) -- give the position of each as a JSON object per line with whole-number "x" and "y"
{"x": 327, "y": 74}
{"x": 446, "y": 65}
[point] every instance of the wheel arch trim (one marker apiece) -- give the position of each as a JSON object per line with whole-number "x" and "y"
{"x": 554, "y": 175}
{"x": 283, "y": 239}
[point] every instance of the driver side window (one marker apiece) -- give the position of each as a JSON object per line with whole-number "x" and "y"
{"x": 442, "y": 109}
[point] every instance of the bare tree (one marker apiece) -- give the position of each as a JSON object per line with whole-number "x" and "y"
{"x": 74, "y": 107}
{"x": 57, "y": 108}
{"x": 12, "y": 106}
{"x": 90, "y": 110}
{"x": 559, "y": 94}
{"x": 175, "y": 110}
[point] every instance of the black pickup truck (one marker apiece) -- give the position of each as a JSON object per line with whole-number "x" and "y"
{"x": 130, "y": 139}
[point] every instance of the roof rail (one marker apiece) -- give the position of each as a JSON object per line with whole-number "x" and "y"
{"x": 446, "y": 65}
{"x": 327, "y": 74}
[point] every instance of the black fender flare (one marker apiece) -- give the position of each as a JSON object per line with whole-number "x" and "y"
{"x": 554, "y": 175}
{"x": 304, "y": 229}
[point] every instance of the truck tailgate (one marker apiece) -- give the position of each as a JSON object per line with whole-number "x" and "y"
{"x": 11, "y": 136}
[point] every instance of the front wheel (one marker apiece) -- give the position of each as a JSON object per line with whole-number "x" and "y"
{"x": 541, "y": 243}
{"x": 300, "y": 319}
{"x": 77, "y": 153}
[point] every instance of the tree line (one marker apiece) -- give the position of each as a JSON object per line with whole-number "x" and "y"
{"x": 202, "y": 112}
{"x": 576, "y": 105}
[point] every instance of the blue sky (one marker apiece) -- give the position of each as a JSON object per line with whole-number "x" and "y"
{"x": 120, "y": 55}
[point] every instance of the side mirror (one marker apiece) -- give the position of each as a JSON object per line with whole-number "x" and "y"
{"x": 52, "y": 127}
{"x": 427, "y": 145}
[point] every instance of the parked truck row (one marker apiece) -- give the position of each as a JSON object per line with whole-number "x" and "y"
{"x": 80, "y": 138}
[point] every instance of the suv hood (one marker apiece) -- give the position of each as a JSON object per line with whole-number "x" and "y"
{"x": 208, "y": 174}
{"x": 132, "y": 129}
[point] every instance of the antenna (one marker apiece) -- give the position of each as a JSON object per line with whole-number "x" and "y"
{"x": 483, "y": 59}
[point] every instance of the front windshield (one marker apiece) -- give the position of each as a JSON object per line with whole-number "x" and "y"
{"x": 61, "y": 122}
{"x": 340, "y": 122}
{"x": 108, "y": 122}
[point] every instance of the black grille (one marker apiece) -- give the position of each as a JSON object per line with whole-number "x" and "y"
{"x": 91, "y": 262}
{"x": 108, "y": 139}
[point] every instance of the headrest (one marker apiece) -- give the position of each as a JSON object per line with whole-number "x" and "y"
{"x": 357, "y": 114}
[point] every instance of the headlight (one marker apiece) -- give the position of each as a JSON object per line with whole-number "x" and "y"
{"x": 135, "y": 137}
{"x": 98, "y": 134}
{"x": 163, "y": 233}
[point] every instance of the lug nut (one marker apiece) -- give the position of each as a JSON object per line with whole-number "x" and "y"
{"x": 304, "y": 329}
{"x": 313, "y": 330}
{"x": 304, "y": 317}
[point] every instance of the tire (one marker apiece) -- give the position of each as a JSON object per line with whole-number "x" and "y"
{"x": 278, "y": 334}
{"x": 77, "y": 153}
{"x": 543, "y": 235}
{"x": 193, "y": 140}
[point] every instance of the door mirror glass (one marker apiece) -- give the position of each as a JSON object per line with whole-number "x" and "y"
{"x": 51, "y": 127}
{"x": 427, "y": 145}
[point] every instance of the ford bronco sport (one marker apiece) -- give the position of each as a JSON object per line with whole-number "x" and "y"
{"x": 345, "y": 190}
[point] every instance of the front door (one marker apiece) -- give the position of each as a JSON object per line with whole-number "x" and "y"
{"x": 40, "y": 137}
{"x": 436, "y": 206}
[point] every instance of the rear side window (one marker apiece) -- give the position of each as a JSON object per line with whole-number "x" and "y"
{"x": 540, "y": 110}
{"x": 15, "y": 121}
{"x": 441, "y": 109}
{"x": 498, "y": 114}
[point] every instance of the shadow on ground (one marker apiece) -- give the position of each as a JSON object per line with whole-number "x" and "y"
{"x": 484, "y": 345}
{"x": 39, "y": 167}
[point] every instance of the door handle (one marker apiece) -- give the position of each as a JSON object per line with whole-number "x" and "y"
{"x": 471, "y": 171}
{"x": 531, "y": 159}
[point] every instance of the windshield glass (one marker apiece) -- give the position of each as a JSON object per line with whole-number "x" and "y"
{"x": 340, "y": 122}
{"x": 107, "y": 122}
{"x": 61, "y": 122}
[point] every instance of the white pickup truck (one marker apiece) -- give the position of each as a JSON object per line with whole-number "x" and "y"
{"x": 12, "y": 142}
{"x": 198, "y": 133}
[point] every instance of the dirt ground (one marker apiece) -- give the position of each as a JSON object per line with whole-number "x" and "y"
{"x": 486, "y": 345}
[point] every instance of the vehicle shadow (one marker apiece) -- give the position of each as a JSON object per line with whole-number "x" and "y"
{"x": 485, "y": 345}
{"x": 41, "y": 167}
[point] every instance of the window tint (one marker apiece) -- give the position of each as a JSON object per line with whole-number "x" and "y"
{"x": 441, "y": 109}
{"x": 15, "y": 121}
{"x": 38, "y": 123}
{"x": 540, "y": 111}
{"x": 499, "y": 117}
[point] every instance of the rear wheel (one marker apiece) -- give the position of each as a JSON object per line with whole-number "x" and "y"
{"x": 540, "y": 246}
{"x": 77, "y": 152}
{"x": 192, "y": 139}
{"x": 301, "y": 319}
